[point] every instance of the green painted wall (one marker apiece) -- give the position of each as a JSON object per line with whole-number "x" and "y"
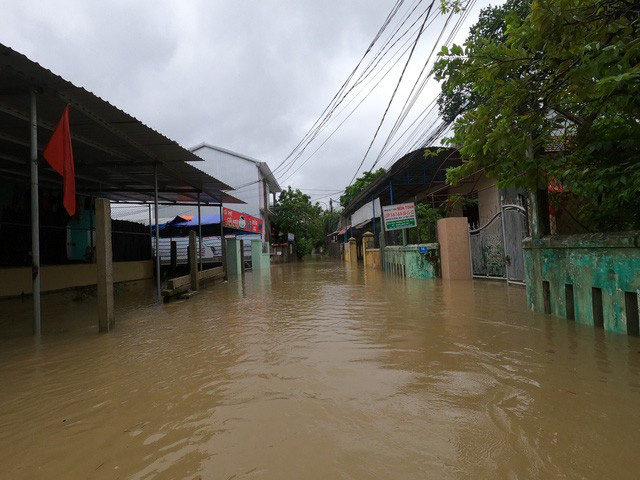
{"x": 610, "y": 262}
{"x": 407, "y": 261}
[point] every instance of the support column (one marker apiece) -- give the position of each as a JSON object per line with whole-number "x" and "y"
{"x": 242, "y": 269}
{"x": 106, "y": 319}
{"x": 199, "y": 234}
{"x": 35, "y": 215}
{"x": 223, "y": 245}
{"x": 234, "y": 254}
{"x": 193, "y": 261}
{"x": 155, "y": 209}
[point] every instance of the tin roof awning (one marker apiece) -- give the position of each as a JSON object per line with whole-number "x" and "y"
{"x": 114, "y": 153}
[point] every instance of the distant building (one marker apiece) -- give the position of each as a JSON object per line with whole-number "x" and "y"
{"x": 252, "y": 180}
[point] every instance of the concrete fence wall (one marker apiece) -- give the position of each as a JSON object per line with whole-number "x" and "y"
{"x": 16, "y": 281}
{"x": 407, "y": 261}
{"x": 594, "y": 278}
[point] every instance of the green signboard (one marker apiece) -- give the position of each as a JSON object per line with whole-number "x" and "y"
{"x": 397, "y": 217}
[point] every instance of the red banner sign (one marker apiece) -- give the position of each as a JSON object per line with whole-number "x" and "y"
{"x": 241, "y": 221}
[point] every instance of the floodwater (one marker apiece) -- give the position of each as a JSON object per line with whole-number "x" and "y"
{"x": 316, "y": 372}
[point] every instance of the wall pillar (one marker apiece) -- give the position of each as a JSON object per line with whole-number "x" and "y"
{"x": 368, "y": 241}
{"x": 353, "y": 251}
{"x": 234, "y": 256}
{"x": 453, "y": 237}
{"x": 104, "y": 261}
{"x": 193, "y": 261}
{"x": 260, "y": 260}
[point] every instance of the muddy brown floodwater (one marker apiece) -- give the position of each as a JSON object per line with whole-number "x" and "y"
{"x": 316, "y": 372}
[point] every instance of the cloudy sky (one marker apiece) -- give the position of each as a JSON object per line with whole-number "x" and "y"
{"x": 251, "y": 76}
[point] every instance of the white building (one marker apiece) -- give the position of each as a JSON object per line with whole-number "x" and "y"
{"x": 252, "y": 180}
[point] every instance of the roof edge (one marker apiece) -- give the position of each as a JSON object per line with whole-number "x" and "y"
{"x": 223, "y": 150}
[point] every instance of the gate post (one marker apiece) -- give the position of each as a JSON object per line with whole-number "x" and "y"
{"x": 453, "y": 237}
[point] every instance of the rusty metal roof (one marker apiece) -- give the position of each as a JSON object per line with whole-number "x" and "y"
{"x": 114, "y": 153}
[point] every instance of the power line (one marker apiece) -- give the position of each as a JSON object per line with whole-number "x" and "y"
{"x": 391, "y": 14}
{"x": 394, "y": 91}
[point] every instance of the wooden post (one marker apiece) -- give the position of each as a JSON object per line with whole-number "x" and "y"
{"x": 193, "y": 261}
{"x": 106, "y": 319}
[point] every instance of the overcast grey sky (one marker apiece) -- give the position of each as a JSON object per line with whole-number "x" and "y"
{"x": 251, "y": 76}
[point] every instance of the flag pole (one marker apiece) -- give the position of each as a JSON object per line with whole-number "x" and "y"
{"x": 35, "y": 215}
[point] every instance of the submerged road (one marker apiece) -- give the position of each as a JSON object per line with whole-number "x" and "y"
{"x": 316, "y": 372}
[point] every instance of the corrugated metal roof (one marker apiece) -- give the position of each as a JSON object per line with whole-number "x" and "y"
{"x": 114, "y": 152}
{"x": 421, "y": 172}
{"x": 274, "y": 186}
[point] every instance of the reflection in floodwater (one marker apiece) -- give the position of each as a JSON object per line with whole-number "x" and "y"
{"x": 316, "y": 371}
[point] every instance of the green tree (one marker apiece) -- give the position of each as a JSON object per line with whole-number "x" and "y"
{"x": 558, "y": 100}
{"x": 361, "y": 183}
{"x": 294, "y": 213}
{"x": 330, "y": 222}
{"x": 458, "y": 94}
{"x": 425, "y": 231}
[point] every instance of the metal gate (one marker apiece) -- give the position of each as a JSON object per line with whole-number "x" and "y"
{"x": 496, "y": 247}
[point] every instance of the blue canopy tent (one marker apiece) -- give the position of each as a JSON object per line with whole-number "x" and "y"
{"x": 180, "y": 226}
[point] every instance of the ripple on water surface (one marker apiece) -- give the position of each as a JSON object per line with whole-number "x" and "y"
{"x": 316, "y": 371}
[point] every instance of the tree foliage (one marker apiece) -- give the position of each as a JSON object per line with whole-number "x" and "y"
{"x": 294, "y": 213}
{"x": 552, "y": 95}
{"x": 458, "y": 94}
{"x": 361, "y": 183}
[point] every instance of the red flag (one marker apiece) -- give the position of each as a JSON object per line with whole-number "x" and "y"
{"x": 59, "y": 154}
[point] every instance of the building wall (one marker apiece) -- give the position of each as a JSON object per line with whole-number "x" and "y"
{"x": 488, "y": 200}
{"x": 610, "y": 262}
{"x": 17, "y": 281}
{"x": 235, "y": 172}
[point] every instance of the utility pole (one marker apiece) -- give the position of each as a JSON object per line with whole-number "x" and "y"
{"x": 331, "y": 204}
